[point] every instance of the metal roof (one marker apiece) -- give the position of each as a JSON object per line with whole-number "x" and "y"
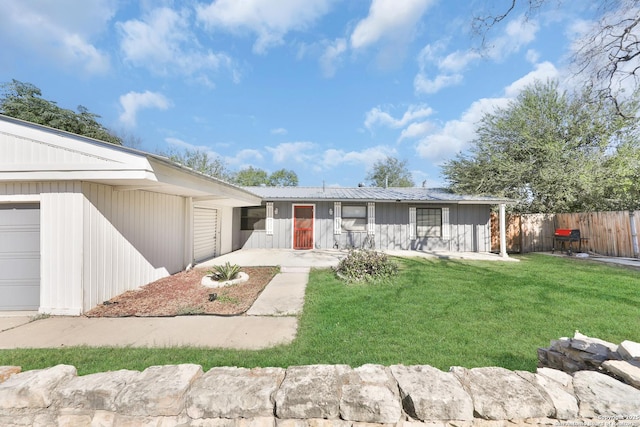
{"x": 392, "y": 194}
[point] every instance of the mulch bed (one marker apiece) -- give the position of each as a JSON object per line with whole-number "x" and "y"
{"x": 182, "y": 294}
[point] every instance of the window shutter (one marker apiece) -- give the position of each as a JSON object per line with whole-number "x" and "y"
{"x": 412, "y": 223}
{"x": 337, "y": 218}
{"x": 371, "y": 218}
{"x": 446, "y": 229}
{"x": 269, "y": 224}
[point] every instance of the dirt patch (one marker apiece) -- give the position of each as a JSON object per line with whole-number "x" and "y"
{"x": 182, "y": 294}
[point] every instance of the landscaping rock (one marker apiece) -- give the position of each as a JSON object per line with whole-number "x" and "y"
{"x": 629, "y": 350}
{"x": 500, "y": 394}
{"x": 601, "y": 395}
{"x": 593, "y": 345}
{"x": 561, "y": 377}
{"x": 629, "y": 372}
{"x": 213, "y": 422}
{"x": 314, "y": 422}
{"x": 565, "y": 403}
{"x": 33, "y": 389}
{"x": 234, "y": 393}
{"x": 370, "y": 394}
{"x": 95, "y": 391}
{"x": 209, "y": 282}
{"x": 311, "y": 392}
{"x": 141, "y": 397}
{"x": 7, "y": 371}
{"x": 429, "y": 394}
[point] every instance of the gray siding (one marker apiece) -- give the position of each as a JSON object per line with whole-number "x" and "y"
{"x": 469, "y": 229}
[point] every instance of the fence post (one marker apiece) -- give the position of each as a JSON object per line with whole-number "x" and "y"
{"x": 634, "y": 233}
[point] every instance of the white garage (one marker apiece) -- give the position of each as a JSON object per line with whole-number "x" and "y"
{"x": 83, "y": 220}
{"x": 19, "y": 257}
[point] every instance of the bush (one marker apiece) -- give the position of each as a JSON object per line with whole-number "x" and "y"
{"x": 366, "y": 265}
{"x": 225, "y": 272}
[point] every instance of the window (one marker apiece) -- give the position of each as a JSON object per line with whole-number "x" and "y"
{"x": 253, "y": 218}
{"x": 428, "y": 222}
{"x": 354, "y": 218}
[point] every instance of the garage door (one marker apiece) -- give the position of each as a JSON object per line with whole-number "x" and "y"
{"x": 19, "y": 257}
{"x": 205, "y": 230}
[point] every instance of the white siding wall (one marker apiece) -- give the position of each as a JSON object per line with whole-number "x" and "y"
{"x": 225, "y": 235}
{"x": 131, "y": 238}
{"x": 60, "y": 241}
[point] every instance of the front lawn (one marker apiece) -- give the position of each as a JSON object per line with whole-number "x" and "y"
{"x": 437, "y": 312}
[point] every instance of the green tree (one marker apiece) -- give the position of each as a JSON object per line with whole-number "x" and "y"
{"x": 390, "y": 172}
{"x": 283, "y": 178}
{"x": 549, "y": 150}
{"x": 200, "y": 161}
{"x": 251, "y": 177}
{"x": 24, "y": 101}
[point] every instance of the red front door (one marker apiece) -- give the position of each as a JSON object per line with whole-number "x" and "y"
{"x": 303, "y": 227}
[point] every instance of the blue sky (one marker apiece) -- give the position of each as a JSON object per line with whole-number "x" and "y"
{"x": 323, "y": 87}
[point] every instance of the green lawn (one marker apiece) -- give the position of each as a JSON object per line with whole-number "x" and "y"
{"x": 437, "y": 312}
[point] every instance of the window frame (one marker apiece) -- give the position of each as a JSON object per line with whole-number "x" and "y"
{"x": 246, "y": 218}
{"x": 422, "y": 215}
{"x": 354, "y": 223}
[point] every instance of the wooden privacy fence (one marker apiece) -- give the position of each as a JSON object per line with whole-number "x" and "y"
{"x": 604, "y": 233}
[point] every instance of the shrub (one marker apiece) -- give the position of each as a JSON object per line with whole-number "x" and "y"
{"x": 366, "y": 265}
{"x": 225, "y": 272}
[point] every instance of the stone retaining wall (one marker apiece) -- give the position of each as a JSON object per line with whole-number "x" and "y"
{"x": 584, "y": 353}
{"x": 314, "y": 396}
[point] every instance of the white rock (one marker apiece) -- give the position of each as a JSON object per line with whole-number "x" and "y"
{"x": 208, "y": 282}
{"x": 628, "y": 371}
{"x": 499, "y": 394}
{"x": 33, "y": 389}
{"x": 94, "y": 391}
{"x": 370, "y": 395}
{"x": 158, "y": 390}
{"x": 563, "y": 378}
{"x": 429, "y": 394}
{"x": 228, "y": 392}
{"x": 600, "y": 395}
{"x": 565, "y": 403}
{"x": 311, "y": 391}
{"x": 629, "y": 350}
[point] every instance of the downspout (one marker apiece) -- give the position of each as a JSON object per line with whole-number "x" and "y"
{"x": 503, "y": 233}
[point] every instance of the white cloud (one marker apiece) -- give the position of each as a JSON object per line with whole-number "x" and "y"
{"x": 543, "y": 72}
{"x": 279, "y": 131}
{"x": 60, "y": 31}
{"x": 269, "y": 22}
{"x": 447, "y": 70}
{"x": 416, "y": 130}
{"x": 388, "y": 19}
{"x": 164, "y": 43}
{"x": 292, "y": 151}
{"x": 533, "y": 56}
{"x": 423, "y": 84}
{"x": 376, "y": 116}
{"x": 133, "y": 102}
{"x": 333, "y": 158}
{"x": 245, "y": 158}
{"x": 331, "y": 56}
{"x": 456, "y": 135}
{"x": 518, "y": 33}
